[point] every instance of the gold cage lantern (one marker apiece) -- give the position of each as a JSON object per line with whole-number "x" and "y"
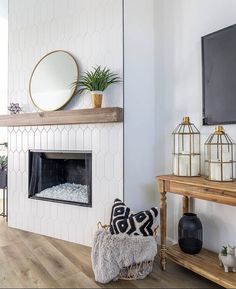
{"x": 186, "y": 149}
{"x": 220, "y": 156}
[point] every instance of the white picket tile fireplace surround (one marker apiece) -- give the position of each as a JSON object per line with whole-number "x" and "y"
{"x": 63, "y": 221}
{"x": 36, "y": 29}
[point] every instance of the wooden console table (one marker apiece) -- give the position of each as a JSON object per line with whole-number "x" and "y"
{"x": 206, "y": 262}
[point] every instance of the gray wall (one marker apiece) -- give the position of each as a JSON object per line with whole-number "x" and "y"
{"x": 140, "y": 124}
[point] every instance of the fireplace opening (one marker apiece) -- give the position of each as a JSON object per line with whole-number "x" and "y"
{"x": 64, "y": 177}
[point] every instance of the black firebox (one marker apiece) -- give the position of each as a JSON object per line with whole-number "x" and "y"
{"x": 61, "y": 176}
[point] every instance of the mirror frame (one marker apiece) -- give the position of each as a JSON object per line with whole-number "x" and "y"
{"x": 73, "y": 92}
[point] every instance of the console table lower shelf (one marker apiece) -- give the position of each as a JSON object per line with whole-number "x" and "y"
{"x": 205, "y": 264}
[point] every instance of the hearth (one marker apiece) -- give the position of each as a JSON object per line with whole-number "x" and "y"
{"x": 61, "y": 176}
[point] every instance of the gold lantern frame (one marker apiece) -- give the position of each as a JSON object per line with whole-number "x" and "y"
{"x": 220, "y": 140}
{"x": 189, "y": 130}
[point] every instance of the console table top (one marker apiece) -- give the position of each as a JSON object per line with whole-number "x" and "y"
{"x": 199, "y": 188}
{"x": 200, "y": 182}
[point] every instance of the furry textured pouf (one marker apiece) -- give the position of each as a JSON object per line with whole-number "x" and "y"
{"x": 111, "y": 253}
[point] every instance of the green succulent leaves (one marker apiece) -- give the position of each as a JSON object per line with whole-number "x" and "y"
{"x": 3, "y": 162}
{"x": 98, "y": 79}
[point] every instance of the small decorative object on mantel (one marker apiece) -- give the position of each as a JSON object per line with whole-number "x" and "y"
{"x": 14, "y": 108}
{"x": 220, "y": 156}
{"x": 227, "y": 258}
{"x": 96, "y": 81}
{"x": 190, "y": 233}
{"x": 186, "y": 149}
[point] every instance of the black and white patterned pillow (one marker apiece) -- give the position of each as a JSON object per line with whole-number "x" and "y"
{"x": 124, "y": 221}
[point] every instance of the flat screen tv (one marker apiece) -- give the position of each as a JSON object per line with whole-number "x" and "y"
{"x": 219, "y": 76}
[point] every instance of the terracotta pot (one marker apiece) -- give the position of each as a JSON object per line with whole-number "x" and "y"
{"x": 97, "y": 99}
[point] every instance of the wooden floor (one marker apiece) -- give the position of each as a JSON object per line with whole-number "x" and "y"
{"x": 33, "y": 261}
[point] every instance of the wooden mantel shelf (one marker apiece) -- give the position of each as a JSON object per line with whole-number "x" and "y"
{"x": 80, "y": 116}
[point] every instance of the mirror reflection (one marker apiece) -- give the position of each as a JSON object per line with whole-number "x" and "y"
{"x": 50, "y": 83}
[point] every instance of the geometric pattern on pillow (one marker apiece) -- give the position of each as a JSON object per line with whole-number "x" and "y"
{"x": 124, "y": 221}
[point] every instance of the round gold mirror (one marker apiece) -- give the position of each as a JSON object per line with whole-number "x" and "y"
{"x": 51, "y": 80}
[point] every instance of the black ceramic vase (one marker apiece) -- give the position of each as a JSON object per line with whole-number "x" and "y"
{"x": 190, "y": 233}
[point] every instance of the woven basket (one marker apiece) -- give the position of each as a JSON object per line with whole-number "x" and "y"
{"x": 134, "y": 271}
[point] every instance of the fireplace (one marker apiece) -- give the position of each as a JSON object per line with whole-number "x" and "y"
{"x": 61, "y": 176}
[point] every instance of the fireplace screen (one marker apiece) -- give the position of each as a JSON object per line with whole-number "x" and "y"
{"x": 61, "y": 177}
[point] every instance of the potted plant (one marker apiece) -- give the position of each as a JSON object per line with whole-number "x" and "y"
{"x": 3, "y": 172}
{"x": 96, "y": 81}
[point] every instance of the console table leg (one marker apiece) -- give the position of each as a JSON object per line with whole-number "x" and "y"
{"x": 185, "y": 204}
{"x": 163, "y": 213}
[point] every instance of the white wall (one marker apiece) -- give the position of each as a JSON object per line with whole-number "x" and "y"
{"x": 179, "y": 25}
{"x": 89, "y": 29}
{"x": 4, "y": 63}
{"x": 139, "y": 126}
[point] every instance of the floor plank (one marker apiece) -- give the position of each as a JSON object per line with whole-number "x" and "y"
{"x": 32, "y": 274}
{"x": 78, "y": 280}
{"x": 55, "y": 263}
{"x": 8, "y": 278}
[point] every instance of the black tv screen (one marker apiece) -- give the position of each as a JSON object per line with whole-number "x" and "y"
{"x": 219, "y": 76}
